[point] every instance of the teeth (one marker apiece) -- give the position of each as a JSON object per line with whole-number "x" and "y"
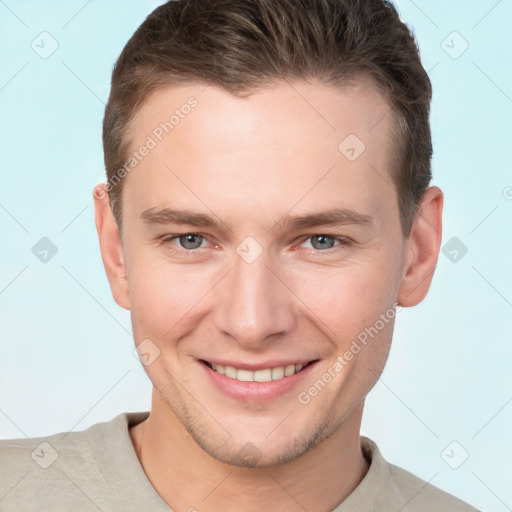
{"x": 244, "y": 375}
{"x": 263, "y": 375}
{"x": 229, "y": 371}
{"x": 266, "y": 375}
{"x": 278, "y": 373}
{"x": 289, "y": 370}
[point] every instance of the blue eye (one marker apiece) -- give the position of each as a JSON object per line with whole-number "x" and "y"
{"x": 187, "y": 241}
{"x": 190, "y": 241}
{"x": 320, "y": 242}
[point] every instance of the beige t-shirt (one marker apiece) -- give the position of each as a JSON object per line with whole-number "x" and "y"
{"x": 98, "y": 470}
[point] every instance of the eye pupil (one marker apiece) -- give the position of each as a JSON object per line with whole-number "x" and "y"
{"x": 191, "y": 241}
{"x": 322, "y": 242}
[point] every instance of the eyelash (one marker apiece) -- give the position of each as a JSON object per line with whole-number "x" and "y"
{"x": 167, "y": 240}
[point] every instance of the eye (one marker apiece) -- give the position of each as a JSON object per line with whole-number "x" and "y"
{"x": 322, "y": 242}
{"x": 190, "y": 241}
{"x": 184, "y": 242}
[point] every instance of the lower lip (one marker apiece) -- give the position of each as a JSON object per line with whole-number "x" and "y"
{"x": 256, "y": 391}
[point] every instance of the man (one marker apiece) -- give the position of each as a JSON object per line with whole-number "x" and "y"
{"x": 267, "y": 207}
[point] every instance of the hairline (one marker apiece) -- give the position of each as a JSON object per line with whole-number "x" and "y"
{"x": 396, "y": 136}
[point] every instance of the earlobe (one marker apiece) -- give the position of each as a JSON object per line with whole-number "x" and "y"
{"x": 111, "y": 246}
{"x": 422, "y": 249}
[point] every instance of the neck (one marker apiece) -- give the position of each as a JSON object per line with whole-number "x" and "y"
{"x": 187, "y": 478}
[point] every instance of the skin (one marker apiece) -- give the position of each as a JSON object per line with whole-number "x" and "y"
{"x": 253, "y": 164}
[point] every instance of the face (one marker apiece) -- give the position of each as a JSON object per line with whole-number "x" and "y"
{"x": 262, "y": 245}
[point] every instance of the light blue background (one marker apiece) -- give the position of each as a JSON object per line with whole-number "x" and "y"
{"x": 66, "y": 348}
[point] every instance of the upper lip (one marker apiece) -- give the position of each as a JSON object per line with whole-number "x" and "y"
{"x": 258, "y": 366}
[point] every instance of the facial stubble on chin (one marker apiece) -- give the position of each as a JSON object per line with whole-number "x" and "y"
{"x": 225, "y": 448}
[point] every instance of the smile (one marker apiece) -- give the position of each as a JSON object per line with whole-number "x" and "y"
{"x": 263, "y": 375}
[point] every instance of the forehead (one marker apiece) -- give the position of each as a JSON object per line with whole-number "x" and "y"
{"x": 280, "y": 143}
{"x": 218, "y": 114}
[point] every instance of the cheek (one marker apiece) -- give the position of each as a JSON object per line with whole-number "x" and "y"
{"x": 163, "y": 297}
{"x": 348, "y": 299}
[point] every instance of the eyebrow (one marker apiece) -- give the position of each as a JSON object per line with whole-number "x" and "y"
{"x": 332, "y": 217}
{"x": 336, "y": 216}
{"x": 171, "y": 216}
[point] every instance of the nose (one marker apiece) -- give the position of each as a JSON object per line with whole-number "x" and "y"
{"x": 252, "y": 305}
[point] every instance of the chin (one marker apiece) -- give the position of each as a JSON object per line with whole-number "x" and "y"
{"x": 259, "y": 452}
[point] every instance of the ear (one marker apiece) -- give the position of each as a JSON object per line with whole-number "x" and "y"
{"x": 422, "y": 249}
{"x": 111, "y": 246}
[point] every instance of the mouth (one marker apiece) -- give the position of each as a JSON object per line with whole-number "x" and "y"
{"x": 275, "y": 373}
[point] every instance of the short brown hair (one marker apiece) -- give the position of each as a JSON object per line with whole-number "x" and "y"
{"x": 243, "y": 45}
